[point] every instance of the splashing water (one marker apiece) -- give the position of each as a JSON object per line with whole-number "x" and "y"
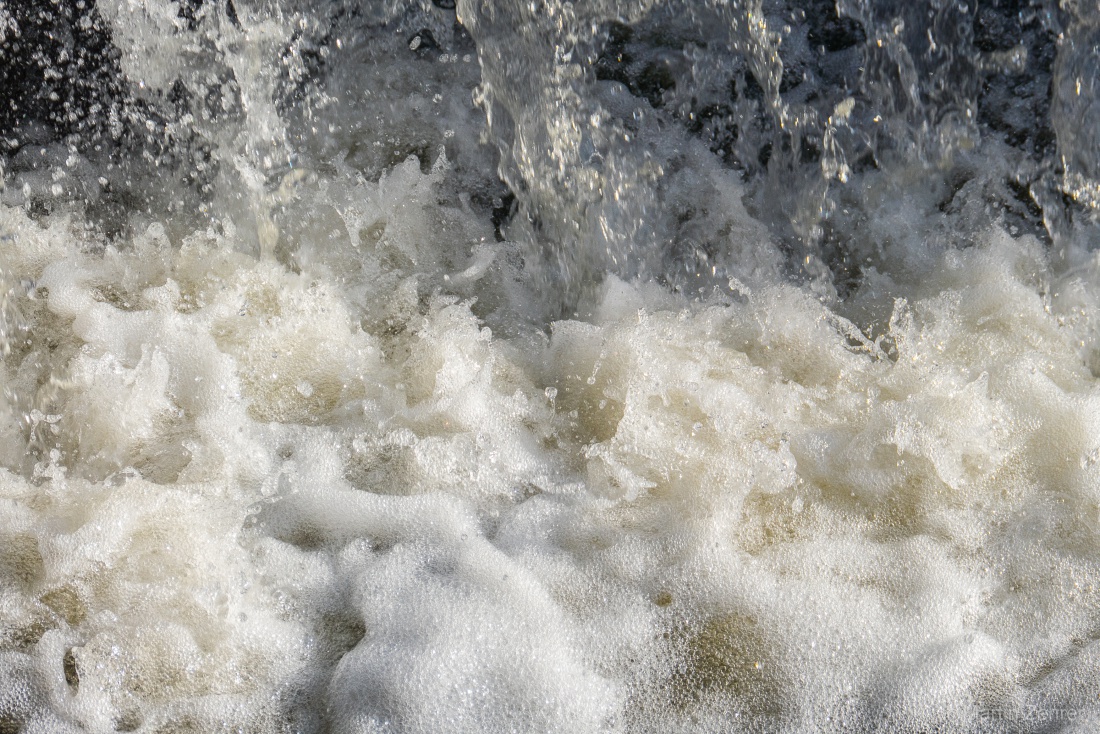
{"x": 663, "y": 365}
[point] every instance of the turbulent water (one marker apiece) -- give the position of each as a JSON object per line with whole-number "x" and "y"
{"x": 536, "y": 366}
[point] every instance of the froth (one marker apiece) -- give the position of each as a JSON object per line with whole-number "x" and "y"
{"x": 256, "y": 505}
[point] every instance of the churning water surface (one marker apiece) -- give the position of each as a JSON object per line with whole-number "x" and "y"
{"x": 536, "y": 366}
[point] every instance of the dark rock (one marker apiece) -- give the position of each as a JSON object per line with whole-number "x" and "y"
{"x": 793, "y": 75}
{"x": 995, "y": 31}
{"x": 831, "y": 31}
{"x": 750, "y": 88}
{"x": 503, "y": 209}
{"x": 765, "y": 155}
{"x": 656, "y": 79}
{"x": 231, "y": 14}
{"x": 809, "y": 151}
{"x": 613, "y": 63}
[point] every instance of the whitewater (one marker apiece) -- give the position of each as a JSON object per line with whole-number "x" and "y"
{"x": 536, "y": 366}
